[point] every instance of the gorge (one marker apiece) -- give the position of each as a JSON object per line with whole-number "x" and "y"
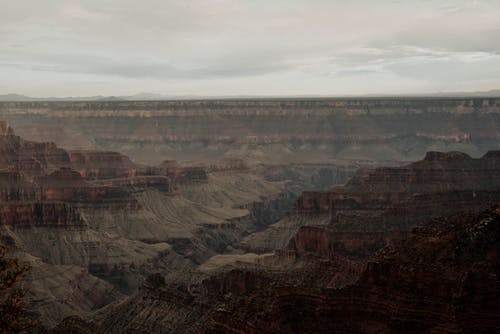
{"x": 246, "y": 216}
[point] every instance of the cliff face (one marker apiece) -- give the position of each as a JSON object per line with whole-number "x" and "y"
{"x": 378, "y": 205}
{"x": 39, "y": 214}
{"x": 172, "y": 169}
{"x": 17, "y": 154}
{"x": 50, "y": 193}
{"x": 277, "y": 131}
{"x": 337, "y": 273}
{"x": 313, "y": 241}
{"x": 105, "y": 221}
{"x": 438, "y": 171}
{"x": 102, "y": 165}
{"x": 397, "y": 198}
{"x": 442, "y": 279}
{"x": 42, "y": 172}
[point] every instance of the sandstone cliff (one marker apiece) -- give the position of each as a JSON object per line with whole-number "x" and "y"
{"x": 442, "y": 279}
{"x": 264, "y": 131}
{"x": 381, "y": 204}
{"x": 100, "y": 219}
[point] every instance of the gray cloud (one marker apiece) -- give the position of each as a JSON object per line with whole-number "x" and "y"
{"x": 221, "y": 47}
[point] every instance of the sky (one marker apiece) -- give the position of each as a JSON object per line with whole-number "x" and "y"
{"x": 248, "y": 47}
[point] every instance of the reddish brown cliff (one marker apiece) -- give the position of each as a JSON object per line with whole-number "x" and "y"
{"x": 39, "y": 214}
{"x": 378, "y": 205}
{"x": 444, "y": 278}
{"x": 268, "y": 130}
{"x": 39, "y": 187}
{"x": 178, "y": 173}
{"x": 313, "y": 241}
{"x": 441, "y": 181}
{"x": 102, "y": 165}
{"x": 31, "y": 157}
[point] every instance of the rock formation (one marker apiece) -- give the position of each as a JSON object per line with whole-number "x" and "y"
{"x": 385, "y": 203}
{"x": 102, "y": 165}
{"x": 100, "y": 219}
{"x": 444, "y": 278}
{"x": 265, "y": 131}
{"x": 206, "y": 246}
{"x": 313, "y": 241}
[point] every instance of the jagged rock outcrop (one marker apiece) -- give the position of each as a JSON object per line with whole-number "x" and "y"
{"x": 39, "y": 214}
{"x": 380, "y": 188}
{"x": 31, "y": 157}
{"x": 313, "y": 241}
{"x": 102, "y": 165}
{"x": 396, "y": 199}
{"x": 173, "y": 169}
{"x": 378, "y": 205}
{"x": 5, "y": 129}
{"x": 181, "y": 308}
{"x": 99, "y": 218}
{"x": 444, "y": 279}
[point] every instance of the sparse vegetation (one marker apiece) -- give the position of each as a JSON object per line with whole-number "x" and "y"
{"x": 13, "y": 317}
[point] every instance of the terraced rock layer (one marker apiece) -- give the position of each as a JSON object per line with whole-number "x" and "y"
{"x": 97, "y": 219}
{"x": 378, "y": 205}
{"x": 265, "y": 131}
{"x": 443, "y": 279}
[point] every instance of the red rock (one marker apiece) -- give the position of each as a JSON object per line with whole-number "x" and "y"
{"x": 178, "y": 173}
{"x": 102, "y": 165}
{"x": 379, "y": 205}
{"x": 444, "y": 278}
{"x": 30, "y": 157}
{"x": 313, "y": 241}
{"x": 21, "y": 214}
{"x": 37, "y": 184}
{"x": 448, "y": 174}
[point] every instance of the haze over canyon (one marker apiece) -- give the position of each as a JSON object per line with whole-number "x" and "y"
{"x": 243, "y": 216}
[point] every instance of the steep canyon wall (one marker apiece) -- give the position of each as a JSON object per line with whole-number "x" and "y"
{"x": 271, "y": 131}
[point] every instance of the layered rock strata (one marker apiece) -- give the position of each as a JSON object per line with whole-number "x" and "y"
{"x": 441, "y": 279}
{"x": 265, "y": 131}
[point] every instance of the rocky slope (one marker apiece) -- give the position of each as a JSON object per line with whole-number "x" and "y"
{"x": 209, "y": 235}
{"x": 442, "y": 279}
{"x": 271, "y": 131}
{"x": 96, "y": 220}
{"x": 349, "y": 260}
{"x": 381, "y": 204}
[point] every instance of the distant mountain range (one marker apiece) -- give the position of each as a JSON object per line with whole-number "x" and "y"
{"x": 135, "y": 97}
{"x": 157, "y": 97}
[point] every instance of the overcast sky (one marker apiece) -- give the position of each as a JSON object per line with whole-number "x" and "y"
{"x": 248, "y": 47}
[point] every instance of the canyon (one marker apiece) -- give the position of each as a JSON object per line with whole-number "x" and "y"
{"x": 94, "y": 224}
{"x": 442, "y": 278}
{"x": 245, "y": 216}
{"x": 274, "y": 131}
